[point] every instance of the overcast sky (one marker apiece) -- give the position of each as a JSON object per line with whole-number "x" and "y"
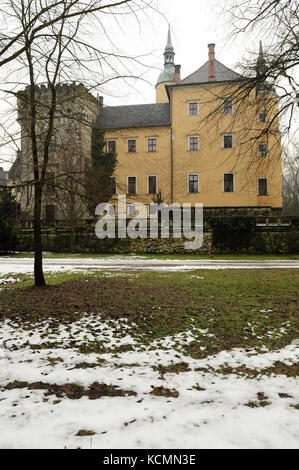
{"x": 194, "y": 24}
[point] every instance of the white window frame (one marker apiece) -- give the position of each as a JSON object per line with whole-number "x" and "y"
{"x": 234, "y": 182}
{"x": 152, "y": 138}
{"x": 198, "y": 187}
{"x": 111, "y": 140}
{"x": 131, "y": 176}
{"x": 262, "y": 112}
{"x": 131, "y": 206}
{"x": 148, "y": 176}
{"x": 259, "y": 154}
{"x": 198, "y": 143}
{"x": 233, "y": 140}
{"x": 128, "y": 140}
{"x": 223, "y": 106}
{"x": 191, "y": 102}
{"x": 115, "y": 178}
{"x": 258, "y": 187}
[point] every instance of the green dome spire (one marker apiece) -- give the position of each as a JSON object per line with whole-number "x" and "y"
{"x": 169, "y": 69}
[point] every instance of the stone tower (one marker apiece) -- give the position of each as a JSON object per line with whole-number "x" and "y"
{"x": 76, "y": 112}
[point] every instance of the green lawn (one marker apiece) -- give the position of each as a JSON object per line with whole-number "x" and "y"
{"x": 239, "y": 308}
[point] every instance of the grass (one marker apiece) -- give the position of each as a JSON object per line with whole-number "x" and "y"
{"x": 222, "y": 309}
{"x": 219, "y": 256}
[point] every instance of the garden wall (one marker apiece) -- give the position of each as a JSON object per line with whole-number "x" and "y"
{"x": 227, "y": 234}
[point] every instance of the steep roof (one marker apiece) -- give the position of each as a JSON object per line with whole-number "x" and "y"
{"x": 140, "y": 115}
{"x": 222, "y": 73}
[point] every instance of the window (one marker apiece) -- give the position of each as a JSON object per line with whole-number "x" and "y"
{"x": 227, "y": 106}
{"x": 111, "y": 146}
{"x": 228, "y": 182}
{"x": 193, "y": 183}
{"x": 50, "y": 212}
{"x": 132, "y": 146}
{"x": 262, "y": 116}
{"x": 49, "y": 188}
{"x": 132, "y": 209}
{"x": 111, "y": 210}
{"x": 263, "y": 186}
{"x": 193, "y": 108}
{"x": 112, "y": 185}
{"x": 227, "y": 141}
{"x": 52, "y": 142}
{"x": 263, "y": 150}
{"x": 193, "y": 142}
{"x": 132, "y": 185}
{"x": 152, "y": 184}
{"x": 152, "y": 145}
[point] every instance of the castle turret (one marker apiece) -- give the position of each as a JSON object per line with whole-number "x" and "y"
{"x": 168, "y": 76}
{"x": 260, "y": 63}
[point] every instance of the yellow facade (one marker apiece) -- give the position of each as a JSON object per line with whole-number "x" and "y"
{"x": 211, "y": 161}
{"x": 161, "y": 92}
{"x": 142, "y": 163}
{"x": 177, "y": 159}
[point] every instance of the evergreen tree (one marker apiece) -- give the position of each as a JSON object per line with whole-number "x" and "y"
{"x": 99, "y": 172}
{"x": 8, "y": 216}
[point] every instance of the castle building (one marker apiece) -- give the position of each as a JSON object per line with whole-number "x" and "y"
{"x": 69, "y": 150}
{"x": 209, "y": 138}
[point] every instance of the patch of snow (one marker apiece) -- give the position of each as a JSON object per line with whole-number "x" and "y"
{"x": 9, "y": 280}
{"x": 214, "y": 417}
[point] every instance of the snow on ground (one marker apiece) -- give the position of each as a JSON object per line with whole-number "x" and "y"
{"x": 25, "y": 265}
{"x": 212, "y": 410}
{"x": 9, "y": 280}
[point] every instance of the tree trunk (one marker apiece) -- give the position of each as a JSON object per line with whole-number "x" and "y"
{"x": 39, "y": 279}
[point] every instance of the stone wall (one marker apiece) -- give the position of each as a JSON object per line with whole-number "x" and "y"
{"x": 268, "y": 240}
{"x": 87, "y": 242}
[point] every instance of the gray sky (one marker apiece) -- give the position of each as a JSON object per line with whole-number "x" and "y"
{"x": 194, "y": 24}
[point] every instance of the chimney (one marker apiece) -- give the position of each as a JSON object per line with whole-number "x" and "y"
{"x": 212, "y": 77}
{"x": 177, "y": 76}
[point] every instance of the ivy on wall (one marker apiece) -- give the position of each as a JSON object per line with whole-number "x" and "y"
{"x": 99, "y": 172}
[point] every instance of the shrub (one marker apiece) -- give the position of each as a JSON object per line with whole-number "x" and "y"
{"x": 232, "y": 234}
{"x": 8, "y": 219}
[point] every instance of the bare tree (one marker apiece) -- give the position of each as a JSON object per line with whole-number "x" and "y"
{"x": 261, "y": 104}
{"x": 48, "y": 41}
{"x": 275, "y": 68}
{"x": 290, "y": 187}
